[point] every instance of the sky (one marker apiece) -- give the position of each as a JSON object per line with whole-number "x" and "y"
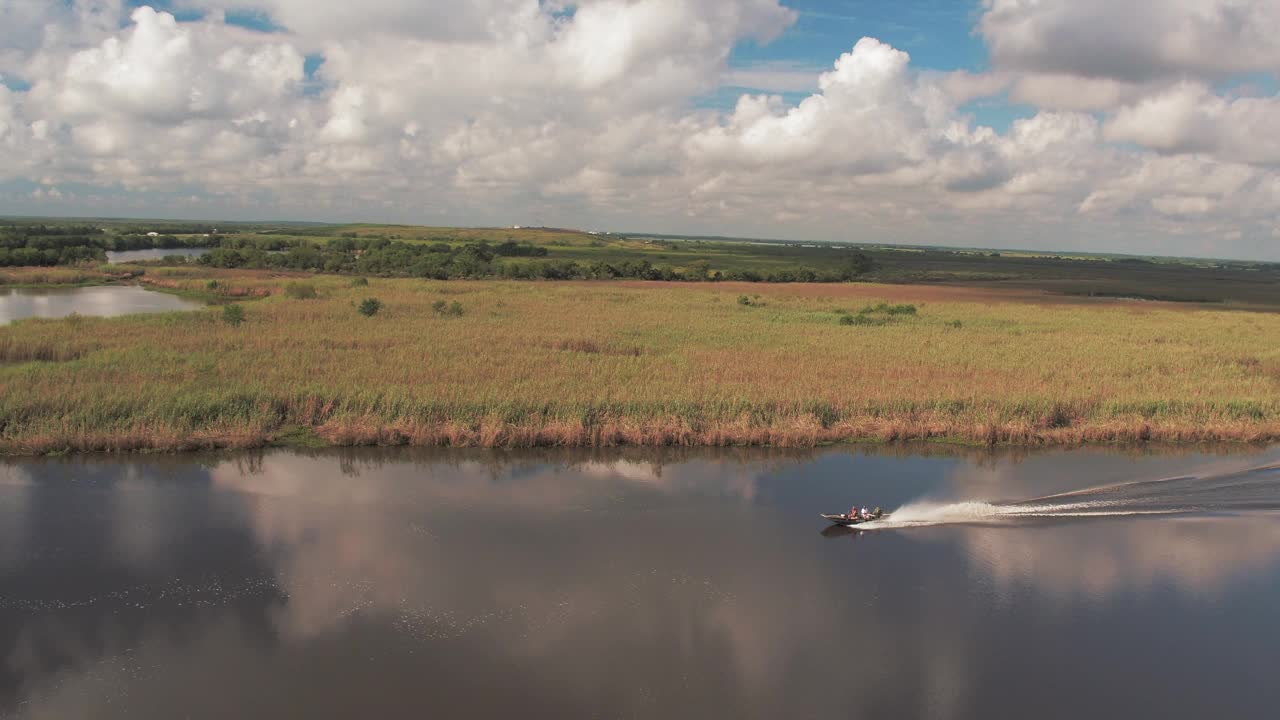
{"x": 1133, "y": 126}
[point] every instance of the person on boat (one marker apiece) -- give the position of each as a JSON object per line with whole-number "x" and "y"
{"x": 865, "y": 515}
{"x": 853, "y": 512}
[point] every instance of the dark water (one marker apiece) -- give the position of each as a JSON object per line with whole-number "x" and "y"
{"x": 19, "y": 303}
{"x": 125, "y": 256}
{"x": 409, "y": 584}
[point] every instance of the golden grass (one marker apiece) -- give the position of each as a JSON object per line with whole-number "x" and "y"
{"x": 605, "y": 364}
{"x": 53, "y": 275}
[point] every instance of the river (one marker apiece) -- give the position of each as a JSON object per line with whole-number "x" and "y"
{"x": 640, "y": 584}
{"x": 127, "y": 256}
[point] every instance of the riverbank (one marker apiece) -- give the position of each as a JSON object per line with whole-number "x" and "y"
{"x": 41, "y": 277}
{"x": 516, "y": 364}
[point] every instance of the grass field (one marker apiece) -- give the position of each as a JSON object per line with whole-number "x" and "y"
{"x": 621, "y": 363}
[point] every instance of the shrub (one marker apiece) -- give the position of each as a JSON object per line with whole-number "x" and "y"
{"x": 582, "y": 346}
{"x": 887, "y": 309}
{"x": 453, "y": 309}
{"x": 360, "y": 282}
{"x": 956, "y": 324}
{"x": 211, "y": 285}
{"x": 863, "y": 319}
{"x": 370, "y": 307}
{"x": 300, "y": 291}
{"x": 232, "y": 315}
{"x": 744, "y": 300}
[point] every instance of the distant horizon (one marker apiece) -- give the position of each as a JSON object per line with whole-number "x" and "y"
{"x": 632, "y": 233}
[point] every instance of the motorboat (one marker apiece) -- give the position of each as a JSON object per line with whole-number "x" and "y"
{"x": 848, "y": 520}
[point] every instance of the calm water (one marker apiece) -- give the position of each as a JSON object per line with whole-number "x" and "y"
{"x": 124, "y": 256}
{"x": 18, "y": 303}
{"x": 410, "y": 584}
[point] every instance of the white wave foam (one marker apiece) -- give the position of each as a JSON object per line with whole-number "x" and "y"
{"x": 976, "y": 512}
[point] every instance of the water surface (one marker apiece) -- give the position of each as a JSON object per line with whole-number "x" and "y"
{"x": 653, "y": 585}
{"x": 106, "y": 301}
{"x": 126, "y": 256}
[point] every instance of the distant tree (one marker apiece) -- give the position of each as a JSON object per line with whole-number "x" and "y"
{"x": 855, "y": 265}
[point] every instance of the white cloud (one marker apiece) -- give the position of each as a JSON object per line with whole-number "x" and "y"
{"x": 871, "y": 116}
{"x": 1133, "y": 41}
{"x": 515, "y": 111}
{"x": 161, "y": 71}
{"x": 1190, "y": 118}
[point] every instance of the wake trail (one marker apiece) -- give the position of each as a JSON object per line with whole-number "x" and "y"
{"x": 1248, "y": 490}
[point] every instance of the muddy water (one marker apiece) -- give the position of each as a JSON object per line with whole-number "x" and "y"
{"x": 19, "y": 303}
{"x": 653, "y": 585}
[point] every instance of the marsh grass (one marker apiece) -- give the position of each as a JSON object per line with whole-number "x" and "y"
{"x": 653, "y": 364}
{"x": 300, "y": 291}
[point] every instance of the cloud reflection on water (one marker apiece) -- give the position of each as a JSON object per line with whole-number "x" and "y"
{"x": 15, "y": 499}
{"x": 609, "y": 586}
{"x": 1094, "y": 559}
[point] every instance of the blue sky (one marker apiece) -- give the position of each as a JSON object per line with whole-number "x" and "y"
{"x": 937, "y": 33}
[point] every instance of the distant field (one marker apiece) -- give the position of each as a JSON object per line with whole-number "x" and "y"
{"x": 606, "y": 363}
{"x": 575, "y": 254}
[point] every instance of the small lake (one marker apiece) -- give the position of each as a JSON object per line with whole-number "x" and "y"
{"x": 104, "y": 301}
{"x": 661, "y": 584}
{"x": 126, "y": 256}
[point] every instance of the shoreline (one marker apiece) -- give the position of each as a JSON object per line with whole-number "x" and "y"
{"x": 638, "y": 435}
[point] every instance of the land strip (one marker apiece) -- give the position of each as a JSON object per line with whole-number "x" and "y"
{"x": 513, "y": 364}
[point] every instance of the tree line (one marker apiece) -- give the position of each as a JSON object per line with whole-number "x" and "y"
{"x": 442, "y": 261}
{"x": 71, "y": 244}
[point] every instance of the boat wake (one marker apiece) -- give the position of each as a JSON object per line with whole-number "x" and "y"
{"x": 1250, "y": 490}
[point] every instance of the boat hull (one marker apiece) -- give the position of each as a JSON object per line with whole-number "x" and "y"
{"x": 846, "y": 521}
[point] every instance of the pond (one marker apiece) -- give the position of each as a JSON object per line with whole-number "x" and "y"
{"x": 104, "y": 301}
{"x": 126, "y": 256}
{"x": 404, "y": 583}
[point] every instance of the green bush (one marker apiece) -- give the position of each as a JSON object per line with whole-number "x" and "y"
{"x": 744, "y": 300}
{"x": 887, "y": 309}
{"x": 300, "y": 291}
{"x": 211, "y": 285}
{"x": 360, "y": 282}
{"x": 863, "y": 319}
{"x": 370, "y": 307}
{"x": 232, "y": 315}
{"x": 453, "y": 309}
